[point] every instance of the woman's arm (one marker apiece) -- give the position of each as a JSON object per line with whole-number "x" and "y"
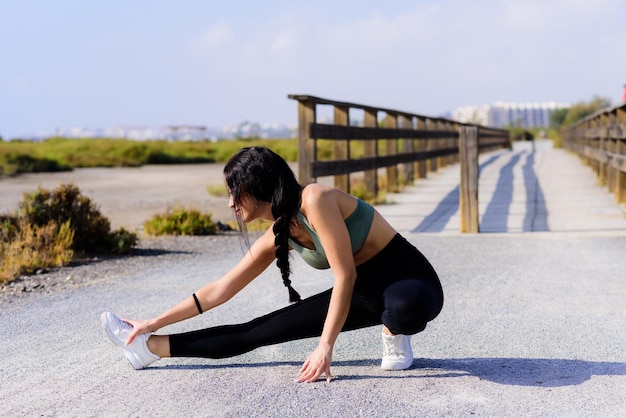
{"x": 323, "y": 210}
{"x": 254, "y": 262}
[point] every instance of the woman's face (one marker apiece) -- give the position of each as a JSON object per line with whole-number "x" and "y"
{"x": 247, "y": 209}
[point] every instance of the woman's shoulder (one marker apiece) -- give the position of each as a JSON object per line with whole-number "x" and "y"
{"x": 320, "y": 196}
{"x": 321, "y": 191}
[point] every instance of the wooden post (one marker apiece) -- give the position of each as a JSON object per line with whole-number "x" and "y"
{"x": 341, "y": 149}
{"x": 450, "y": 143}
{"x": 468, "y": 190}
{"x": 612, "y": 142}
{"x": 601, "y": 129}
{"x": 432, "y": 145}
{"x": 392, "y": 171}
{"x": 579, "y": 139}
{"x": 595, "y": 144}
{"x": 306, "y": 147}
{"x": 407, "y": 146}
{"x": 620, "y": 149}
{"x": 371, "y": 150}
{"x": 620, "y": 176}
{"x": 441, "y": 143}
{"x": 421, "y": 146}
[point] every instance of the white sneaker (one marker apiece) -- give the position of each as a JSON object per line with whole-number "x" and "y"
{"x": 397, "y": 353}
{"x": 136, "y": 352}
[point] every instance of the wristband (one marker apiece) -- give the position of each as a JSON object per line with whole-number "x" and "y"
{"x": 197, "y": 303}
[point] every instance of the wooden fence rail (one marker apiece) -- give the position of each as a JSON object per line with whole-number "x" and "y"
{"x": 412, "y": 145}
{"x": 600, "y": 141}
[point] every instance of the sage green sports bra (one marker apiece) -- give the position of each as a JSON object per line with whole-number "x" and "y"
{"x": 358, "y": 223}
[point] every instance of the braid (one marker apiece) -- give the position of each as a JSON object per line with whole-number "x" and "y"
{"x": 265, "y": 176}
{"x": 281, "y": 241}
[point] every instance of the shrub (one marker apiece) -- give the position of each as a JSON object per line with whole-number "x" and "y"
{"x": 66, "y": 203}
{"x": 122, "y": 241}
{"x": 9, "y": 226}
{"x": 180, "y": 221}
{"x": 34, "y": 247}
{"x": 16, "y": 163}
{"x": 51, "y": 227}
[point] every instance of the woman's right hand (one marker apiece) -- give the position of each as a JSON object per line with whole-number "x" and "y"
{"x": 139, "y": 327}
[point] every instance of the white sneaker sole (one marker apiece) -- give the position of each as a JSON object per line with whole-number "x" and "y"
{"x": 396, "y": 365}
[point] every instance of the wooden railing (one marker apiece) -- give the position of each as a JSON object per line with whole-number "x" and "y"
{"x": 412, "y": 146}
{"x": 600, "y": 140}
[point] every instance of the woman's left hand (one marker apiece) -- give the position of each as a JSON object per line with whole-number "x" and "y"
{"x": 317, "y": 364}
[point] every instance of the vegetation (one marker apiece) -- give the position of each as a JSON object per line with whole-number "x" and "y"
{"x": 181, "y": 221}
{"x": 577, "y": 111}
{"x": 358, "y": 189}
{"x": 58, "y": 154}
{"x": 25, "y": 248}
{"x": 50, "y": 228}
{"x": 218, "y": 190}
{"x": 583, "y": 109}
{"x": 563, "y": 117}
{"x": 557, "y": 117}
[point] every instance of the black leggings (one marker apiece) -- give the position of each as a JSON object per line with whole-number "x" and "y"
{"x": 398, "y": 288}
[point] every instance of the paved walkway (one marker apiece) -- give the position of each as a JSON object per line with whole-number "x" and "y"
{"x": 532, "y": 326}
{"x": 523, "y": 190}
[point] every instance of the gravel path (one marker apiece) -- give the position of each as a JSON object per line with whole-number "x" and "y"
{"x": 532, "y": 326}
{"x": 97, "y": 269}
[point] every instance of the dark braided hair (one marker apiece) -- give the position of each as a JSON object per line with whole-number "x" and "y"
{"x": 263, "y": 175}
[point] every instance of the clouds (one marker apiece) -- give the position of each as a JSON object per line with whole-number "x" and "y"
{"x": 218, "y": 35}
{"x": 218, "y": 63}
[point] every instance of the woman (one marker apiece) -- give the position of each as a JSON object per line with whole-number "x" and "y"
{"x": 379, "y": 277}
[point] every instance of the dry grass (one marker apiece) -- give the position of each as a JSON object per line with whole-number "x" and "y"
{"x": 35, "y": 247}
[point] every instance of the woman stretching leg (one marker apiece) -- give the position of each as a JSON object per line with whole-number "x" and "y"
{"x": 379, "y": 277}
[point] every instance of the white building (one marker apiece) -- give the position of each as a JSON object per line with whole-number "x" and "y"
{"x": 506, "y": 115}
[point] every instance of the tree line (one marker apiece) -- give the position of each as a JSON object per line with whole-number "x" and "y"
{"x": 566, "y": 116}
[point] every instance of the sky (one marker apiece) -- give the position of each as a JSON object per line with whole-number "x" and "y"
{"x": 153, "y": 63}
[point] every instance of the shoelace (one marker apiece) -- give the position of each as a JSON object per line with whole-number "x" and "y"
{"x": 392, "y": 346}
{"x": 123, "y": 326}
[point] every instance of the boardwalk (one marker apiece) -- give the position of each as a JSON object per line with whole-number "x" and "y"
{"x": 532, "y": 326}
{"x": 528, "y": 189}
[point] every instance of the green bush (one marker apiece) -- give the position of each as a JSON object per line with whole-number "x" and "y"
{"x": 122, "y": 241}
{"x": 66, "y": 203}
{"x": 51, "y": 227}
{"x": 15, "y": 163}
{"x": 180, "y": 221}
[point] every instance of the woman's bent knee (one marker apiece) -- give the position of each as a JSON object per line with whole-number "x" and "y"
{"x": 410, "y": 304}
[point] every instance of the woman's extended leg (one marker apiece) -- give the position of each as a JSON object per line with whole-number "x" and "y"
{"x": 301, "y": 320}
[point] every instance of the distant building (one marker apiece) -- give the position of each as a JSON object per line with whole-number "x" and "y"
{"x": 178, "y": 132}
{"x": 506, "y": 115}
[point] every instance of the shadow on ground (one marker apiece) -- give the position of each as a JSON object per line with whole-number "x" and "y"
{"x": 504, "y": 371}
{"x": 497, "y": 211}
